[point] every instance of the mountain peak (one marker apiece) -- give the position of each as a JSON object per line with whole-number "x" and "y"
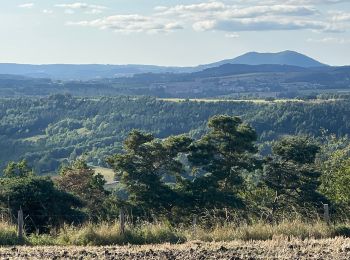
{"x": 287, "y": 57}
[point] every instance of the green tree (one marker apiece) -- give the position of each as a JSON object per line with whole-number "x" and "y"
{"x": 142, "y": 168}
{"x": 219, "y": 159}
{"x": 44, "y": 206}
{"x": 293, "y": 177}
{"x": 335, "y": 166}
{"x": 20, "y": 169}
{"x": 80, "y": 180}
{"x": 300, "y": 149}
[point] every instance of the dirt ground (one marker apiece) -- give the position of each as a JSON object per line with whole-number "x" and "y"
{"x": 338, "y": 248}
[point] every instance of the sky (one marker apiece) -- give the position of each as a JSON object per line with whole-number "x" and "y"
{"x": 170, "y": 32}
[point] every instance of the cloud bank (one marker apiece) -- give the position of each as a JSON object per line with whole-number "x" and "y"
{"x": 229, "y": 17}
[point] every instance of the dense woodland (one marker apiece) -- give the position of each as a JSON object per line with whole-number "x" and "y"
{"x": 50, "y": 131}
{"x": 219, "y": 177}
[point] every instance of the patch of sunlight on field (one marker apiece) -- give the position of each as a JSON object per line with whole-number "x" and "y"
{"x": 107, "y": 173}
{"x": 83, "y": 131}
{"x": 255, "y": 101}
{"x": 35, "y": 138}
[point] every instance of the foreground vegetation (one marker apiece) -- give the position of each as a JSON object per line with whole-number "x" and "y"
{"x": 105, "y": 234}
{"x": 217, "y": 187}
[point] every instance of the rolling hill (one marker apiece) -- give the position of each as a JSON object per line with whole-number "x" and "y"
{"x": 98, "y": 71}
{"x": 290, "y": 58}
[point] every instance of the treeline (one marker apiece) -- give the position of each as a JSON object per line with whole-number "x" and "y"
{"x": 49, "y": 131}
{"x": 219, "y": 178}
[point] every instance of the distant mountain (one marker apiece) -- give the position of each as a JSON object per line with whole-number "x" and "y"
{"x": 241, "y": 69}
{"x": 231, "y": 80}
{"x": 98, "y": 71}
{"x": 80, "y": 71}
{"x": 290, "y": 58}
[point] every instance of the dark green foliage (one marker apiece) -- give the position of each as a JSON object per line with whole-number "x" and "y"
{"x": 293, "y": 177}
{"x": 142, "y": 167}
{"x": 19, "y": 169}
{"x": 219, "y": 159}
{"x": 341, "y": 230}
{"x": 52, "y": 130}
{"x": 44, "y": 206}
{"x": 295, "y": 148}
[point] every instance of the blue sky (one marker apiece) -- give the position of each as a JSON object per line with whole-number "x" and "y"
{"x": 171, "y": 32}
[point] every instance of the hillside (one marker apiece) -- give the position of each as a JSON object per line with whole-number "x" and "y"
{"x": 98, "y": 71}
{"x": 291, "y": 58}
{"x": 231, "y": 80}
{"x": 49, "y": 131}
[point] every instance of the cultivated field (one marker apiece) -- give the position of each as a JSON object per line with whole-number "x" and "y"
{"x": 278, "y": 248}
{"x": 255, "y": 101}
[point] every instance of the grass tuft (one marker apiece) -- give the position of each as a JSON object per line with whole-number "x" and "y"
{"x": 105, "y": 234}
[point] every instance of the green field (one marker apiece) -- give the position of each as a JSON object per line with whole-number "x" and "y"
{"x": 107, "y": 173}
{"x": 255, "y": 101}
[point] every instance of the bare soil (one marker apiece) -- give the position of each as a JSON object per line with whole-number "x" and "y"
{"x": 338, "y": 248}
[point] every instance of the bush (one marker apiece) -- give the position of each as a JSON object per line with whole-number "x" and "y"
{"x": 341, "y": 230}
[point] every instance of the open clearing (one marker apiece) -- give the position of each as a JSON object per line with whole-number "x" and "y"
{"x": 255, "y": 101}
{"x": 107, "y": 173}
{"x": 338, "y": 248}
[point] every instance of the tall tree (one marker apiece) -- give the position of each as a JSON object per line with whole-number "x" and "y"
{"x": 143, "y": 166}
{"x": 293, "y": 176}
{"x": 219, "y": 158}
{"x": 44, "y": 205}
{"x": 18, "y": 169}
{"x": 80, "y": 180}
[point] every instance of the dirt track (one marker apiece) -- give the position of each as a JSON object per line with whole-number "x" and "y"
{"x": 338, "y": 248}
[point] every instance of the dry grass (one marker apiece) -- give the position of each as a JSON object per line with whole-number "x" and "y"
{"x": 109, "y": 234}
{"x": 104, "y": 234}
{"x": 8, "y": 234}
{"x": 263, "y": 231}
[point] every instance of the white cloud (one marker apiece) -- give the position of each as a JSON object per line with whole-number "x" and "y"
{"x": 202, "y": 7}
{"x": 88, "y": 8}
{"x": 26, "y": 5}
{"x": 258, "y": 24}
{"x": 94, "y": 11}
{"x": 339, "y": 16}
{"x": 332, "y": 40}
{"x": 217, "y": 15}
{"x": 297, "y": 2}
{"x": 80, "y": 6}
{"x": 47, "y": 11}
{"x": 218, "y": 9}
{"x": 131, "y": 23}
{"x": 69, "y": 11}
{"x": 316, "y": 1}
{"x": 232, "y": 35}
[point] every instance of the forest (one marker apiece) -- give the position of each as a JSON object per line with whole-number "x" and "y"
{"x": 219, "y": 177}
{"x": 50, "y": 131}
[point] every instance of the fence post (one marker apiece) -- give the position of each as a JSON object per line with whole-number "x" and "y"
{"x": 122, "y": 221}
{"x": 20, "y": 224}
{"x": 326, "y": 213}
{"x": 194, "y": 223}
